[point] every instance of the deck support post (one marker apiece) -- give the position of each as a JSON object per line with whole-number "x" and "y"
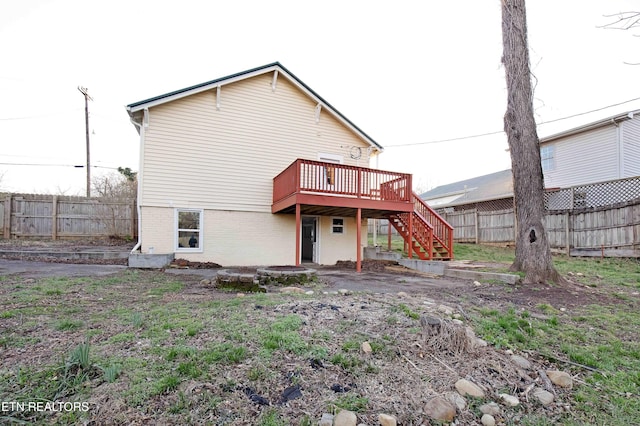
{"x": 359, "y": 240}
{"x": 410, "y": 239}
{"x": 298, "y": 226}
{"x": 389, "y": 233}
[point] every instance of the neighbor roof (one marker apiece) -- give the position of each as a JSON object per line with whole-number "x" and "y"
{"x": 593, "y": 125}
{"x": 482, "y": 188}
{"x": 275, "y": 66}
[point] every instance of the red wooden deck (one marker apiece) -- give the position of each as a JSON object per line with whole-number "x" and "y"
{"x": 317, "y": 188}
{"x": 317, "y": 184}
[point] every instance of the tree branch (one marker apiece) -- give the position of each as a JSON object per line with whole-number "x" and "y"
{"x": 627, "y": 20}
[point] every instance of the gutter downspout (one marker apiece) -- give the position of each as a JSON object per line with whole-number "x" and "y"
{"x": 141, "y": 127}
{"x": 619, "y": 147}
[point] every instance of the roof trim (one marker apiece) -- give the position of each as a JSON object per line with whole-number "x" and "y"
{"x": 457, "y": 202}
{"x": 275, "y": 66}
{"x": 450, "y": 194}
{"x": 591, "y": 126}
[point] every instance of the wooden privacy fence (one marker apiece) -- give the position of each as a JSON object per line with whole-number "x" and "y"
{"x": 599, "y": 231}
{"x": 56, "y": 216}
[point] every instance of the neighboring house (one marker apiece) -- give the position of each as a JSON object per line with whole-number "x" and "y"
{"x": 257, "y": 169}
{"x": 601, "y": 151}
{"x": 604, "y": 150}
{"x": 489, "y": 192}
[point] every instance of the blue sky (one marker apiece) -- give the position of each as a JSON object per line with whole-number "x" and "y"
{"x": 409, "y": 73}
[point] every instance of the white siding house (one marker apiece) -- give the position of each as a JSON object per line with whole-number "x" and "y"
{"x": 258, "y": 169}
{"x": 601, "y": 151}
{"x": 630, "y": 134}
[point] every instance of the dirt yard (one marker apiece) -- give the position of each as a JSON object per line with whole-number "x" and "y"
{"x": 320, "y": 364}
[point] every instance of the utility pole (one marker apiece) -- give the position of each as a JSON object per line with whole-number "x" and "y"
{"x": 87, "y": 98}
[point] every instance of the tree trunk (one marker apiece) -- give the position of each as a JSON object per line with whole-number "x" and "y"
{"x": 533, "y": 254}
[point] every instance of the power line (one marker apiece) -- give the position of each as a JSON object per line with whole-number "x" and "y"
{"x": 42, "y": 164}
{"x": 32, "y": 117}
{"x": 588, "y": 112}
{"x": 446, "y": 140}
{"x": 502, "y": 131}
{"x": 77, "y": 166}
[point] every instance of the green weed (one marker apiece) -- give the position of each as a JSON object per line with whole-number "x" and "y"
{"x": 350, "y": 402}
{"x": 408, "y": 312}
{"x": 122, "y": 337}
{"x": 169, "y": 287}
{"x": 189, "y": 369}
{"x": 271, "y": 418}
{"x": 80, "y": 356}
{"x": 165, "y": 385}
{"x": 225, "y": 353}
{"x": 68, "y": 325}
{"x": 347, "y": 362}
{"x": 111, "y": 373}
{"x": 137, "y": 320}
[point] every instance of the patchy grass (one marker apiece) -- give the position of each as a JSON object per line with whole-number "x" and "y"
{"x": 483, "y": 253}
{"x": 599, "y": 343}
{"x": 145, "y": 346}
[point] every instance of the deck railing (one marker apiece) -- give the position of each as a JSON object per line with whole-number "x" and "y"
{"x": 307, "y": 176}
{"x": 441, "y": 229}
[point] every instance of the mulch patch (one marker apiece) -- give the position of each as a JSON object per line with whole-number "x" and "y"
{"x": 183, "y": 263}
{"x": 372, "y": 265}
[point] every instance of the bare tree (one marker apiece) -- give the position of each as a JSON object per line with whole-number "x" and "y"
{"x": 533, "y": 254}
{"x": 624, "y": 21}
{"x": 121, "y": 185}
{"x": 117, "y": 193}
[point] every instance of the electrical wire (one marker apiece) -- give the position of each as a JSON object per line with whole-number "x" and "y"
{"x": 77, "y": 166}
{"x": 502, "y": 131}
{"x": 31, "y": 117}
{"x": 446, "y": 140}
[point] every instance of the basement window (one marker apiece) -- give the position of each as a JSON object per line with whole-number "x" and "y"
{"x": 189, "y": 230}
{"x": 337, "y": 225}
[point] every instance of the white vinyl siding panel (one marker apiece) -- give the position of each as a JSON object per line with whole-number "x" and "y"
{"x": 584, "y": 158}
{"x": 631, "y": 147}
{"x": 246, "y": 238}
{"x": 335, "y": 247}
{"x": 226, "y": 159}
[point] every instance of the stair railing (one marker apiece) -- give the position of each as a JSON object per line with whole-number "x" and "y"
{"x": 442, "y": 230}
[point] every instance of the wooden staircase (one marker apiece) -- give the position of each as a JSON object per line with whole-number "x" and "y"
{"x": 431, "y": 237}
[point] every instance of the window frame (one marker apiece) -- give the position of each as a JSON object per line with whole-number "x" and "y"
{"x": 177, "y": 230}
{"x": 342, "y": 226}
{"x": 330, "y": 172}
{"x": 547, "y": 158}
{"x": 330, "y": 158}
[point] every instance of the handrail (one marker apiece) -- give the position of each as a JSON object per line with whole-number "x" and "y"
{"x": 442, "y": 230}
{"x": 310, "y": 176}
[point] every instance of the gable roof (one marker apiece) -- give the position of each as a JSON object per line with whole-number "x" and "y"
{"x": 614, "y": 119}
{"x": 273, "y": 67}
{"x": 482, "y": 188}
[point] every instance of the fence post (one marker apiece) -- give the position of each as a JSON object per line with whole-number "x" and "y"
{"x": 54, "y": 217}
{"x": 567, "y": 233}
{"x": 134, "y": 213}
{"x": 515, "y": 226}
{"x": 636, "y": 240}
{"x": 6, "y": 226}
{"x": 477, "y": 226}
